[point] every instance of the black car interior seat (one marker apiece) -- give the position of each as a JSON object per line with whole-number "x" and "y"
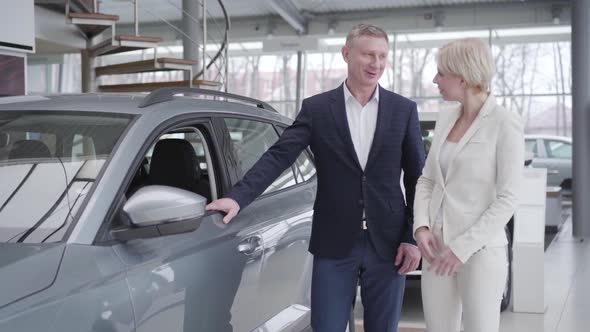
{"x": 29, "y": 149}
{"x": 174, "y": 163}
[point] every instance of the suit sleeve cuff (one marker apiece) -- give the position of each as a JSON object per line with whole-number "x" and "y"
{"x": 418, "y": 225}
{"x": 463, "y": 252}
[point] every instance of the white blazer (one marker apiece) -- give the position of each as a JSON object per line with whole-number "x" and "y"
{"x": 478, "y": 194}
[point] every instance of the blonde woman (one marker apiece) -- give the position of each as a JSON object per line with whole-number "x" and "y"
{"x": 467, "y": 194}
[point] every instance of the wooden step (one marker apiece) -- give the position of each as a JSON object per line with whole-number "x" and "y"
{"x": 124, "y": 43}
{"x": 92, "y": 23}
{"x": 161, "y": 64}
{"x": 176, "y": 61}
{"x": 146, "y": 87}
{"x": 134, "y": 38}
{"x": 95, "y": 16}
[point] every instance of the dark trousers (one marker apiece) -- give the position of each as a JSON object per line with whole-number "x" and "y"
{"x": 333, "y": 289}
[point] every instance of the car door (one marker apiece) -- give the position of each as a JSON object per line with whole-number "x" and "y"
{"x": 204, "y": 280}
{"x": 285, "y": 212}
{"x": 559, "y": 160}
{"x": 287, "y": 264}
{"x": 537, "y": 147}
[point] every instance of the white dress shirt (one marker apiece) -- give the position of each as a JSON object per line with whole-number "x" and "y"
{"x": 362, "y": 121}
{"x": 446, "y": 151}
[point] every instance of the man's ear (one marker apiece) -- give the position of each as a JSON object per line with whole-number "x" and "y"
{"x": 345, "y": 50}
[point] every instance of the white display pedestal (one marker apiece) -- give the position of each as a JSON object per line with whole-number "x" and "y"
{"x": 528, "y": 280}
{"x": 553, "y": 218}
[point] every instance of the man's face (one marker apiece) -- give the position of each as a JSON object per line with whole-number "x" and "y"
{"x": 366, "y": 58}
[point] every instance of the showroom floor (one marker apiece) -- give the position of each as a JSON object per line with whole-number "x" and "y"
{"x": 567, "y": 293}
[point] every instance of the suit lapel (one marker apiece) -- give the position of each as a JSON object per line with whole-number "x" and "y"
{"x": 477, "y": 123}
{"x": 338, "y": 110}
{"x": 383, "y": 118}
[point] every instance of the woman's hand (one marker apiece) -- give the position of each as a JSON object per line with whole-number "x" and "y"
{"x": 446, "y": 263}
{"x": 426, "y": 243}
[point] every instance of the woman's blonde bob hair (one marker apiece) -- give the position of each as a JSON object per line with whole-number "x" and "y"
{"x": 469, "y": 58}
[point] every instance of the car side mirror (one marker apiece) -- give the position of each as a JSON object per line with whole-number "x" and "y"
{"x": 155, "y": 211}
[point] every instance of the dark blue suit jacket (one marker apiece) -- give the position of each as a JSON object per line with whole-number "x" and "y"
{"x": 344, "y": 189}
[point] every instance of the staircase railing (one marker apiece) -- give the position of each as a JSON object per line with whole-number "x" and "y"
{"x": 220, "y": 58}
{"x": 222, "y": 52}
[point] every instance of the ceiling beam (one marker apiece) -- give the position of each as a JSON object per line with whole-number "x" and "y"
{"x": 290, "y": 13}
{"x": 406, "y": 20}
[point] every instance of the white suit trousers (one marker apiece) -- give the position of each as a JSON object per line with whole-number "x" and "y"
{"x": 475, "y": 292}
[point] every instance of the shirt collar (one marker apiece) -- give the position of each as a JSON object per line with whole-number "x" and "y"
{"x": 348, "y": 94}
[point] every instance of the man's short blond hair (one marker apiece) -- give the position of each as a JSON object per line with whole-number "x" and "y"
{"x": 469, "y": 58}
{"x": 364, "y": 29}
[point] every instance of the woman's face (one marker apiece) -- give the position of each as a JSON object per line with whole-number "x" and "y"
{"x": 451, "y": 86}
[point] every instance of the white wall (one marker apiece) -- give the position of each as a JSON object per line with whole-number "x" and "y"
{"x": 54, "y": 35}
{"x": 18, "y": 25}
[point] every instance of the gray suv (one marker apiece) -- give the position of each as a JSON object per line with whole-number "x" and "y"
{"x": 103, "y": 224}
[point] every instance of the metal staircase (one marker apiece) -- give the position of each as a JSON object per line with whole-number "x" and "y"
{"x": 93, "y": 24}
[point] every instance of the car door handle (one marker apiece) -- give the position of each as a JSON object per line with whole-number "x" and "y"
{"x": 552, "y": 172}
{"x": 249, "y": 245}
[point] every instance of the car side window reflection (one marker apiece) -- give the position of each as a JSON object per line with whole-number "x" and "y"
{"x": 558, "y": 149}
{"x": 305, "y": 168}
{"x": 250, "y": 139}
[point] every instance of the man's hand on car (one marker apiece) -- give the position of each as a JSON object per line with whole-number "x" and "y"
{"x": 226, "y": 205}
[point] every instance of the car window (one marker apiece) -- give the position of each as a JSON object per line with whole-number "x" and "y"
{"x": 531, "y": 146}
{"x": 250, "y": 139}
{"x": 49, "y": 139}
{"x": 558, "y": 149}
{"x": 48, "y": 165}
{"x": 177, "y": 159}
{"x": 193, "y": 138}
{"x": 180, "y": 158}
{"x": 305, "y": 168}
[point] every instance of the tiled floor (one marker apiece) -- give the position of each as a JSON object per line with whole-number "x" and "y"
{"x": 567, "y": 293}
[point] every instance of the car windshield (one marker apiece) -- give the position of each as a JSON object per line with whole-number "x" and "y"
{"x": 49, "y": 162}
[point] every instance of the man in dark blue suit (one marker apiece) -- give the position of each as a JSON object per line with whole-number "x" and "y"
{"x": 362, "y": 137}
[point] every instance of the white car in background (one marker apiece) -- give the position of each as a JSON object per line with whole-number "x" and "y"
{"x": 555, "y": 154}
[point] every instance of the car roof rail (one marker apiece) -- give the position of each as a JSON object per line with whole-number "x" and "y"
{"x": 167, "y": 94}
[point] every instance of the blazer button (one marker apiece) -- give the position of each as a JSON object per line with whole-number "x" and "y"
{"x": 361, "y": 202}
